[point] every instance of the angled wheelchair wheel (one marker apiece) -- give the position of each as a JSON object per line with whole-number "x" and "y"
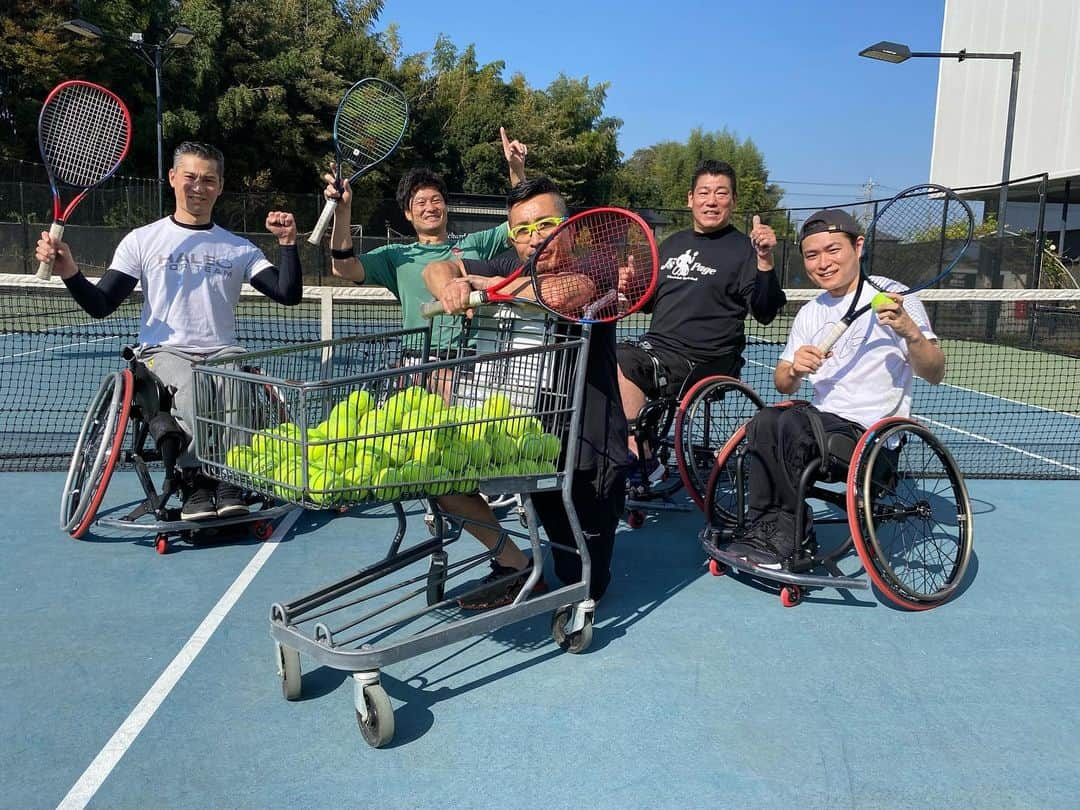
{"x": 709, "y": 413}
{"x": 909, "y": 514}
{"x": 722, "y": 499}
{"x": 97, "y": 452}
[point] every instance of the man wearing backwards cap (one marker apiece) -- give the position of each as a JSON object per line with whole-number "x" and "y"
{"x": 865, "y": 377}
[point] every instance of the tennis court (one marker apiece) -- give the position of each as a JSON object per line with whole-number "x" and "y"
{"x": 137, "y": 679}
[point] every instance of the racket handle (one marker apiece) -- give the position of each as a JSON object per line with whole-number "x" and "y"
{"x": 433, "y": 308}
{"x": 44, "y": 270}
{"x": 324, "y": 220}
{"x": 831, "y": 338}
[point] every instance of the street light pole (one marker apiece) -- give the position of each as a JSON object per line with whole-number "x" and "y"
{"x": 895, "y": 53}
{"x": 153, "y": 55}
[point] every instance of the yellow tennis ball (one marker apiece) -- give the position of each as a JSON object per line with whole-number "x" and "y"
{"x": 478, "y": 452}
{"x": 454, "y": 458}
{"x": 321, "y": 486}
{"x": 880, "y": 300}
{"x": 531, "y": 446}
{"x": 522, "y": 424}
{"x": 361, "y": 401}
{"x": 240, "y": 457}
{"x": 496, "y": 406}
{"x": 551, "y": 447}
{"x": 503, "y": 448}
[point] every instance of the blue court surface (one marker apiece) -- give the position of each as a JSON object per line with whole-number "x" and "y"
{"x": 138, "y": 680}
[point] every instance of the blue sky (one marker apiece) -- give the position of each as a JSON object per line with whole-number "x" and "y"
{"x": 785, "y": 73}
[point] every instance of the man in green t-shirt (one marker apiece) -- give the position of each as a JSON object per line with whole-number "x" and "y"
{"x": 399, "y": 268}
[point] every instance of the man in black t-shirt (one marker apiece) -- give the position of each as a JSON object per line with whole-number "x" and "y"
{"x": 535, "y": 209}
{"x": 710, "y": 276}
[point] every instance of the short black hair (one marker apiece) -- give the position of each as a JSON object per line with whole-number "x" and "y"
{"x": 415, "y": 179}
{"x": 715, "y": 167}
{"x": 533, "y": 187}
{"x": 201, "y": 150}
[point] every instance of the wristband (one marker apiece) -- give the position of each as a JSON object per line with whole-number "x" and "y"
{"x": 348, "y": 253}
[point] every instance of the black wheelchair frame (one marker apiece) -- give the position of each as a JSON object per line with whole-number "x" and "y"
{"x": 907, "y": 510}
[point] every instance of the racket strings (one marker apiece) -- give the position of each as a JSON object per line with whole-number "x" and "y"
{"x": 370, "y": 124}
{"x": 598, "y": 267}
{"x": 918, "y": 237}
{"x": 84, "y": 135}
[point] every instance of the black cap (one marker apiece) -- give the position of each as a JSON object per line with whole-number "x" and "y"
{"x": 830, "y": 220}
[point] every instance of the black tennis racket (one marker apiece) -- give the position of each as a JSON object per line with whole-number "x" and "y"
{"x": 84, "y": 132}
{"x": 368, "y": 127}
{"x": 595, "y": 267}
{"x": 914, "y": 241}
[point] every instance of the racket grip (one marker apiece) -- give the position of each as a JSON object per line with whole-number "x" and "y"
{"x": 433, "y": 308}
{"x": 830, "y": 339}
{"x": 44, "y": 270}
{"x": 324, "y": 220}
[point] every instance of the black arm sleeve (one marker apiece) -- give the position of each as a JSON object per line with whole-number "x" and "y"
{"x": 100, "y": 300}
{"x": 285, "y": 284}
{"x": 502, "y": 265}
{"x": 767, "y": 298}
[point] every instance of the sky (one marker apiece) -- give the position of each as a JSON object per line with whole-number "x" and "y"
{"x": 785, "y": 74}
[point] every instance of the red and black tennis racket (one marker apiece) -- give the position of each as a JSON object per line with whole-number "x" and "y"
{"x": 368, "y": 127}
{"x": 84, "y": 132}
{"x": 595, "y": 267}
{"x": 914, "y": 241}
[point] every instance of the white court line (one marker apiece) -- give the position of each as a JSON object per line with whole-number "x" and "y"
{"x": 83, "y": 790}
{"x": 987, "y": 439}
{"x": 54, "y": 348}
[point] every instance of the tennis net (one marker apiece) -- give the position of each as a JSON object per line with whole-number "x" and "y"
{"x": 1009, "y": 406}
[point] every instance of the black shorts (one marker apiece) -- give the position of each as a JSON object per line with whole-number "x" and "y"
{"x": 660, "y": 373}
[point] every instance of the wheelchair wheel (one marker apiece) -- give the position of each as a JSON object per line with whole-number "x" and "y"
{"x": 721, "y": 505}
{"x": 709, "y": 413}
{"x": 97, "y": 451}
{"x": 909, "y": 514}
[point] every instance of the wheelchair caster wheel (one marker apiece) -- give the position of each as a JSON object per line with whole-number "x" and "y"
{"x": 635, "y": 519}
{"x": 262, "y": 529}
{"x": 717, "y": 568}
{"x": 161, "y": 544}
{"x": 573, "y": 642}
{"x": 790, "y": 595}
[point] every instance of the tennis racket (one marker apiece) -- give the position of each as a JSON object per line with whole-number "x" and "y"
{"x": 84, "y": 132}
{"x": 368, "y": 127}
{"x": 914, "y": 241}
{"x": 596, "y": 267}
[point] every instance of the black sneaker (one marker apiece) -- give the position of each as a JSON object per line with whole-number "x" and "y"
{"x": 653, "y": 472}
{"x": 770, "y": 541}
{"x": 499, "y": 588}
{"x": 230, "y": 500}
{"x": 199, "y": 505}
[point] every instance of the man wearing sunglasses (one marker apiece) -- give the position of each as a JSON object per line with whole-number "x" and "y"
{"x": 535, "y": 209}
{"x": 711, "y": 276}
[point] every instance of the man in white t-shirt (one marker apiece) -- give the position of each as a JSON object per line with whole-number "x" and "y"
{"x": 191, "y": 272}
{"x": 864, "y": 378}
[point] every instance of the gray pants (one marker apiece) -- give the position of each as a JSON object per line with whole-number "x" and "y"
{"x": 173, "y": 369}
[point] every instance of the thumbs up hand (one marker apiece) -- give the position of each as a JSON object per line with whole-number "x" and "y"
{"x": 763, "y": 238}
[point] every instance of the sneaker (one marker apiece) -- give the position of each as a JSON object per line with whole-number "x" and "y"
{"x": 230, "y": 500}
{"x": 499, "y": 588}
{"x": 770, "y": 541}
{"x": 199, "y": 505}
{"x": 653, "y": 472}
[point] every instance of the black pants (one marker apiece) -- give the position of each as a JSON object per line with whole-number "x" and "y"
{"x": 599, "y": 507}
{"x": 780, "y": 444}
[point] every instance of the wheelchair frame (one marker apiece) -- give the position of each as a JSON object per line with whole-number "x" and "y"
{"x": 98, "y": 451}
{"x": 871, "y": 501}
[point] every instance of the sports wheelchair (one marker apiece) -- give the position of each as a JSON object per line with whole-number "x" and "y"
{"x": 134, "y": 398}
{"x": 907, "y": 511}
{"x": 704, "y": 413}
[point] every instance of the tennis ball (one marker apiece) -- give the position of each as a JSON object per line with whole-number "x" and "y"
{"x": 475, "y": 427}
{"x": 289, "y": 429}
{"x": 503, "y": 448}
{"x": 442, "y": 480}
{"x": 454, "y": 458}
{"x": 321, "y": 486}
{"x": 531, "y": 446}
{"x": 344, "y": 410}
{"x": 414, "y": 395}
{"x": 522, "y": 424}
{"x": 289, "y": 478}
{"x": 319, "y": 432}
{"x": 478, "y": 452}
{"x": 880, "y": 300}
{"x": 551, "y": 447}
{"x": 411, "y": 474}
{"x": 361, "y": 401}
{"x": 340, "y": 455}
{"x": 496, "y": 406}
{"x": 386, "y": 484}
{"x": 341, "y": 425}
{"x": 425, "y": 449}
{"x": 240, "y": 457}
{"x": 395, "y": 409}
